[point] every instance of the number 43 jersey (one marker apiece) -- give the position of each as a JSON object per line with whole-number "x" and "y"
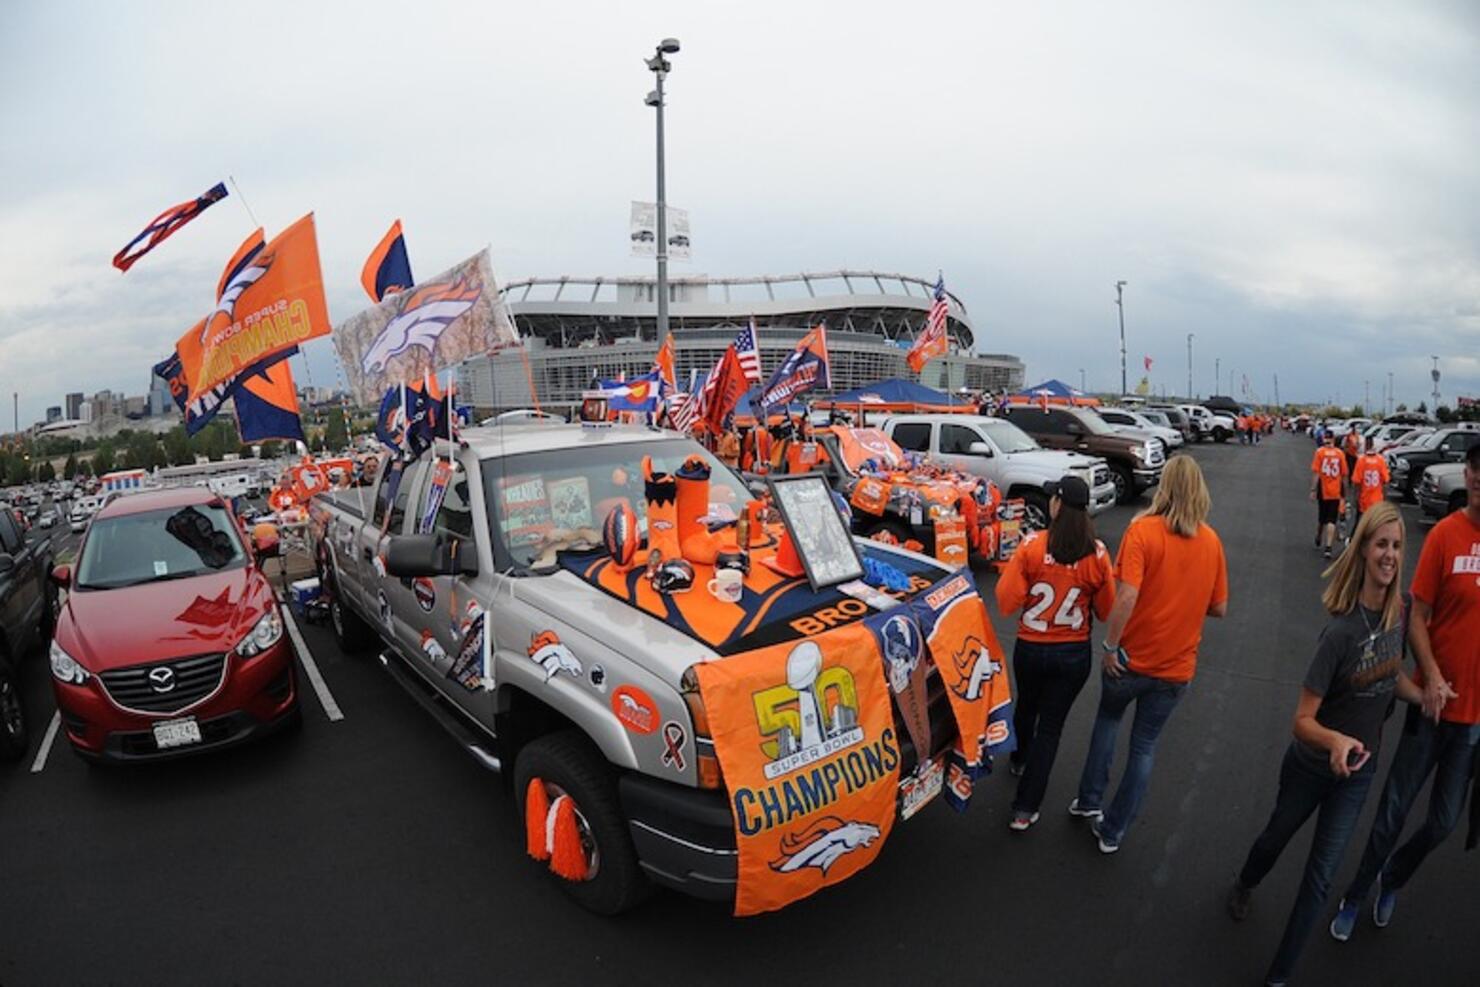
{"x": 1056, "y": 600}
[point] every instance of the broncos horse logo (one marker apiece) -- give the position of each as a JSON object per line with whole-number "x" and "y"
{"x": 546, "y": 649}
{"x": 976, "y": 667}
{"x": 426, "y": 312}
{"x": 225, "y": 313}
{"x": 822, "y": 843}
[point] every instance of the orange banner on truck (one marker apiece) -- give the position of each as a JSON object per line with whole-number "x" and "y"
{"x": 806, "y": 741}
{"x": 270, "y": 304}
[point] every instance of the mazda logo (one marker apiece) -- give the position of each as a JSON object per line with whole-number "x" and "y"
{"x": 162, "y": 679}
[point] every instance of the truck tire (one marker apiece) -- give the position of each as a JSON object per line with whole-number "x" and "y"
{"x": 14, "y": 739}
{"x": 1035, "y": 503}
{"x": 569, "y": 764}
{"x": 1125, "y": 484}
{"x": 1220, "y": 434}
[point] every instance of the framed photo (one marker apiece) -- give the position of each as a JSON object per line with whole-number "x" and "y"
{"x": 822, "y": 541}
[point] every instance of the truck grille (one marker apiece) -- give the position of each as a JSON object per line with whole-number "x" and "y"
{"x": 1430, "y": 485}
{"x": 191, "y": 680}
{"x": 1102, "y": 476}
{"x": 1157, "y": 452}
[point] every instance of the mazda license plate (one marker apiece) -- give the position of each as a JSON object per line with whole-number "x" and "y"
{"x": 916, "y": 791}
{"x": 176, "y": 733}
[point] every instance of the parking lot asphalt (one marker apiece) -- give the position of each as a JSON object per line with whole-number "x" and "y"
{"x": 372, "y": 850}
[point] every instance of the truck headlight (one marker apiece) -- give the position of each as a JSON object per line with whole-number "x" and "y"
{"x": 65, "y": 668}
{"x": 1140, "y": 452}
{"x": 269, "y": 631}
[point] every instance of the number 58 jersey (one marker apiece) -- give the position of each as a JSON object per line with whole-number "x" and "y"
{"x": 1057, "y": 600}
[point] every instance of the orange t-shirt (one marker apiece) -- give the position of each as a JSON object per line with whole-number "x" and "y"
{"x": 1370, "y": 476}
{"x": 1330, "y": 465}
{"x": 1177, "y": 580}
{"x": 1350, "y": 443}
{"x": 1448, "y": 580}
{"x": 1056, "y": 595}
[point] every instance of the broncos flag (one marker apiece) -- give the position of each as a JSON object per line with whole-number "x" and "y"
{"x": 271, "y": 301}
{"x": 807, "y": 746}
{"x": 166, "y": 223}
{"x": 388, "y": 269}
{"x": 804, "y": 368}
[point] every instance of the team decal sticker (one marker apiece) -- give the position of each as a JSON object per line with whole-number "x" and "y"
{"x": 468, "y": 667}
{"x": 597, "y": 677}
{"x": 554, "y": 657}
{"x": 635, "y": 709}
{"x": 383, "y": 606}
{"x": 432, "y": 648}
{"x": 426, "y": 593}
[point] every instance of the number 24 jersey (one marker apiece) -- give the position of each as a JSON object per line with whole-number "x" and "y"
{"x": 1056, "y": 599}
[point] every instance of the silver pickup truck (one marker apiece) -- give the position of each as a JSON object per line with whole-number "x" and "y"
{"x": 475, "y": 576}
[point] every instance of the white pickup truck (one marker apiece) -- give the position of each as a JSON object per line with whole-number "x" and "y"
{"x": 1003, "y": 453}
{"x": 483, "y": 582}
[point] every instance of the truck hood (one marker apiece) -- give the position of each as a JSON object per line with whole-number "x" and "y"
{"x": 1052, "y": 463}
{"x": 115, "y": 628}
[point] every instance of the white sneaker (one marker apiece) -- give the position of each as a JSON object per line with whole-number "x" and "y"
{"x": 1075, "y": 810}
{"x": 1022, "y": 820}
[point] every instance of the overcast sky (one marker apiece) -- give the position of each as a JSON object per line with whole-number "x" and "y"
{"x": 1298, "y": 185}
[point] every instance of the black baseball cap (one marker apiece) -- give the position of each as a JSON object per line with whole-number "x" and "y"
{"x": 1073, "y": 491}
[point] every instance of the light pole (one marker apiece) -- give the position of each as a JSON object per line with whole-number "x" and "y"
{"x": 1217, "y": 373}
{"x": 1366, "y": 397}
{"x": 1082, "y": 388}
{"x": 1189, "y": 366}
{"x": 1390, "y": 393}
{"x": 660, "y": 66}
{"x": 1120, "y": 304}
{"x": 1432, "y": 373}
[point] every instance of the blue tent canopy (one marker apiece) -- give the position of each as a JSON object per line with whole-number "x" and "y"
{"x": 1055, "y": 390}
{"x": 896, "y": 391}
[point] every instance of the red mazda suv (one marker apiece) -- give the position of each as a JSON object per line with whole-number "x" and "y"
{"x": 169, "y": 640}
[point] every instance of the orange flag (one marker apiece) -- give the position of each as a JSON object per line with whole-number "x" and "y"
{"x": 805, "y": 736}
{"x": 269, "y": 306}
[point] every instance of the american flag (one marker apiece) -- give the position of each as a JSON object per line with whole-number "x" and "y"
{"x": 932, "y": 339}
{"x": 683, "y": 411}
{"x": 744, "y": 345}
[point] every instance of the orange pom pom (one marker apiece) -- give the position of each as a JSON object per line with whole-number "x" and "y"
{"x": 536, "y": 810}
{"x": 567, "y": 856}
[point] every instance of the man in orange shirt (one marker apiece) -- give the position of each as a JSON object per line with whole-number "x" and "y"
{"x": 1444, "y": 633}
{"x": 1369, "y": 476}
{"x": 1327, "y": 487}
{"x": 1172, "y": 573}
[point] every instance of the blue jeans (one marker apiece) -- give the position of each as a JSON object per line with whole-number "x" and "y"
{"x": 1448, "y": 750}
{"x": 1304, "y": 789}
{"x": 1049, "y": 677}
{"x": 1155, "y": 699}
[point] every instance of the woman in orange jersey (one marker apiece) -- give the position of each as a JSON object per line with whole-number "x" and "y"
{"x": 1054, "y": 578}
{"x": 1172, "y": 573}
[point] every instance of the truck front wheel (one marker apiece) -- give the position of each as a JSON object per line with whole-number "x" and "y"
{"x": 568, "y": 764}
{"x": 1220, "y": 434}
{"x": 13, "y": 737}
{"x": 1125, "y": 484}
{"x": 351, "y": 633}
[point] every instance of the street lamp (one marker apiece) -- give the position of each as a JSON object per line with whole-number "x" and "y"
{"x": 1217, "y": 373}
{"x": 1189, "y": 366}
{"x": 1120, "y": 304}
{"x": 1082, "y": 388}
{"x": 659, "y": 66}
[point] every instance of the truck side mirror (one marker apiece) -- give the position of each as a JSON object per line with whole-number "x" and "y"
{"x": 438, "y": 554}
{"x": 979, "y": 449}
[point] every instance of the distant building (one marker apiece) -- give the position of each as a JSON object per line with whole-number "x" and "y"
{"x": 85, "y": 411}
{"x": 104, "y": 403}
{"x": 53, "y": 414}
{"x": 160, "y": 401}
{"x": 135, "y": 407}
{"x": 73, "y": 405}
{"x": 578, "y": 328}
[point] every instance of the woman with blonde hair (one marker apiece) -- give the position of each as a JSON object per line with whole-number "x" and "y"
{"x": 1171, "y": 574}
{"x": 1347, "y": 694}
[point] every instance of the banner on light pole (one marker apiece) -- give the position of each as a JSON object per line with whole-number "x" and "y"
{"x": 643, "y": 230}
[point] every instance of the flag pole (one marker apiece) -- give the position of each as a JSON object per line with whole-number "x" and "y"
{"x": 251, "y": 215}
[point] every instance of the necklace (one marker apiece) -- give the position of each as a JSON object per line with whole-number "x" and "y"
{"x": 1371, "y": 631}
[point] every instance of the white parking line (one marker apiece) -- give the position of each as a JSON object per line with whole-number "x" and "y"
{"x": 46, "y": 742}
{"x": 326, "y": 698}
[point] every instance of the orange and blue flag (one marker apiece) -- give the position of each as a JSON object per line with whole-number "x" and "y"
{"x": 165, "y": 224}
{"x": 388, "y": 268}
{"x": 267, "y": 403}
{"x": 804, "y": 368}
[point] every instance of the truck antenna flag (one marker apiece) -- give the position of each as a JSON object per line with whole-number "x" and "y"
{"x": 388, "y": 269}
{"x": 166, "y": 223}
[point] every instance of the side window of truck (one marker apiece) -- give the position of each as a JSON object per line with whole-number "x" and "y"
{"x": 10, "y": 540}
{"x": 392, "y": 470}
{"x": 455, "y": 516}
{"x": 914, "y": 436}
{"x": 409, "y": 480}
{"x": 957, "y": 439}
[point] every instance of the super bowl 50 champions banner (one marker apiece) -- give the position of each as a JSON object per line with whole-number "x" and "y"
{"x": 434, "y": 326}
{"x": 806, "y": 741}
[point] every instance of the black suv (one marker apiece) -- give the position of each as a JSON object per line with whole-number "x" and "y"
{"x": 1407, "y": 463}
{"x": 25, "y": 619}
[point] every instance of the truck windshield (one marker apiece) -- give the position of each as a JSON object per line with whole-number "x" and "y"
{"x": 1094, "y": 424}
{"x": 1007, "y": 436}
{"x": 173, "y": 543}
{"x": 540, "y": 498}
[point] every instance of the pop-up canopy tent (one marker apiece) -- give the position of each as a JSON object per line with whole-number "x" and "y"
{"x": 1053, "y": 391}
{"x": 897, "y": 395}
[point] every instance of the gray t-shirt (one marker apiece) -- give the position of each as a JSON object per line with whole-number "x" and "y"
{"x": 1355, "y": 672}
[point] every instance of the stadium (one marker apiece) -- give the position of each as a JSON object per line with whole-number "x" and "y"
{"x": 576, "y": 329}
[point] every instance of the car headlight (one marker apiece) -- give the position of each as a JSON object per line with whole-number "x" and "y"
{"x": 269, "y": 631}
{"x": 65, "y": 668}
{"x": 1140, "y": 452}
{"x": 1400, "y": 463}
